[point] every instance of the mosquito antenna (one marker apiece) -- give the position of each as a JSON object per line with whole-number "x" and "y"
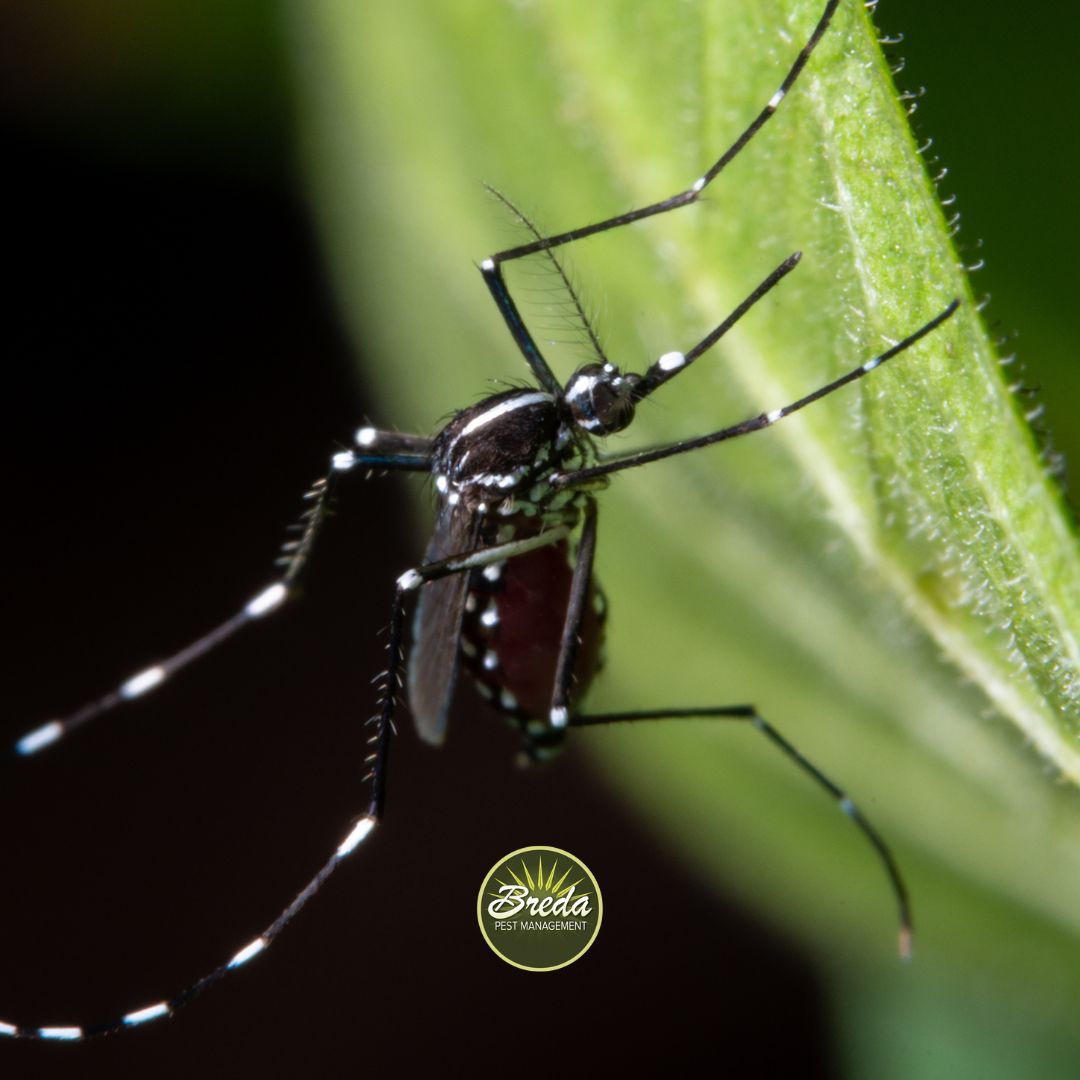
{"x": 575, "y": 300}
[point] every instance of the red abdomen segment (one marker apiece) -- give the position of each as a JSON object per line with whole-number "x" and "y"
{"x": 513, "y": 627}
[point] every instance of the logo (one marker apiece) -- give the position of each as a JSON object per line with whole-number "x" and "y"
{"x": 539, "y": 908}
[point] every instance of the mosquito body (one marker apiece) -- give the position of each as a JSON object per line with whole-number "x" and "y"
{"x": 506, "y": 589}
{"x": 494, "y": 466}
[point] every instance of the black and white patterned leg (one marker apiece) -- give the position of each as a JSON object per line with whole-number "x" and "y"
{"x": 750, "y": 715}
{"x": 376, "y": 451}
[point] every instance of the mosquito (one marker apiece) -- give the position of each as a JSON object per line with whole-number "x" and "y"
{"x": 506, "y": 589}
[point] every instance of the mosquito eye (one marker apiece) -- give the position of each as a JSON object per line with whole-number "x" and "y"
{"x": 601, "y": 400}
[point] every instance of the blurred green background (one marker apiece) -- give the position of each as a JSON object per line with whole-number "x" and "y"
{"x": 987, "y": 837}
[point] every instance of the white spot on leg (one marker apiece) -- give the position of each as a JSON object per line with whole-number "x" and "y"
{"x": 775, "y": 415}
{"x": 247, "y": 953}
{"x": 63, "y": 1034}
{"x": 267, "y": 600}
{"x": 40, "y": 737}
{"x": 7, "y": 1029}
{"x": 343, "y": 461}
{"x": 366, "y": 436}
{"x": 488, "y": 265}
{"x": 871, "y": 364}
{"x": 671, "y": 361}
{"x": 151, "y": 1012}
{"x": 491, "y": 660}
{"x": 904, "y": 943}
{"x": 559, "y": 716}
{"x": 410, "y": 580}
{"x": 490, "y": 616}
{"x": 141, "y": 683}
{"x": 775, "y": 100}
{"x": 697, "y": 185}
{"x": 361, "y": 831}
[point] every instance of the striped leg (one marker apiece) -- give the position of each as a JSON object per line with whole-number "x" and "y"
{"x": 543, "y": 741}
{"x": 750, "y": 714}
{"x": 361, "y": 827}
{"x": 359, "y": 831}
{"x": 692, "y": 193}
{"x": 575, "y": 614}
{"x": 491, "y": 267}
{"x": 376, "y": 450}
{"x": 442, "y": 663}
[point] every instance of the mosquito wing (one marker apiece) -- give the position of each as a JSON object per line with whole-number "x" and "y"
{"x": 433, "y": 664}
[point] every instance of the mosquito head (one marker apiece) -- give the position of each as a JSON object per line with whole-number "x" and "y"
{"x": 599, "y": 399}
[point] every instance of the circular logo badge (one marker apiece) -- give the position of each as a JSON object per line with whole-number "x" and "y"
{"x": 539, "y": 908}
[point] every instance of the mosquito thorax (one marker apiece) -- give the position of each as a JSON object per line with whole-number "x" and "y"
{"x": 600, "y": 399}
{"x": 491, "y": 455}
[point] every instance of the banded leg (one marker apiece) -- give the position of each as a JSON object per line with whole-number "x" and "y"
{"x": 442, "y": 662}
{"x": 359, "y": 830}
{"x": 478, "y": 558}
{"x": 376, "y": 450}
{"x": 435, "y": 653}
{"x": 490, "y": 267}
{"x": 575, "y": 615}
{"x": 750, "y": 714}
{"x": 542, "y": 741}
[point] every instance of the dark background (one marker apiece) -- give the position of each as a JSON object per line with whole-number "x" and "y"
{"x": 174, "y": 377}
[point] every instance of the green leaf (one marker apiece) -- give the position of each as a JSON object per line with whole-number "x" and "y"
{"x": 887, "y": 575}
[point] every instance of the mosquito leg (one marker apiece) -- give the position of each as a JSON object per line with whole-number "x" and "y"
{"x": 692, "y": 193}
{"x": 543, "y": 740}
{"x": 359, "y": 831}
{"x": 479, "y": 558}
{"x": 750, "y": 714}
{"x": 491, "y": 267}
{"x": 756, "y": 423}
{"x": 361, "y": 828}
{"x": 376, "y": 451}
{"x": 382, "y": 450}
{"x": 575, "y": 614}
{"x": 494, "y": 280}
{"x": 434, "y": 664}
{"x": 385, "y": 450}
{"x": 392, "y": 679}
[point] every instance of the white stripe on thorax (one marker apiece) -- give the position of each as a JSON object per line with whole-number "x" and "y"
{"x": 504, "y": 407}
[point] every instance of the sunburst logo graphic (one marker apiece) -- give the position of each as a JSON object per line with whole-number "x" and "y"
{"x": 539, "y": 908}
